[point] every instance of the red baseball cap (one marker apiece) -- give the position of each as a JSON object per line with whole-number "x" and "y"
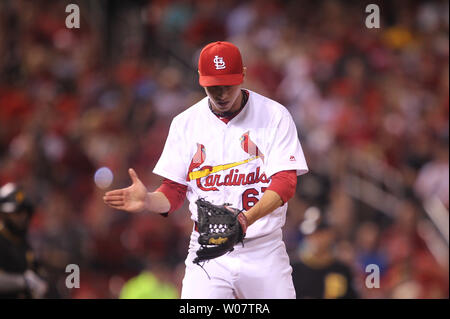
{"x": 220, "y": 63}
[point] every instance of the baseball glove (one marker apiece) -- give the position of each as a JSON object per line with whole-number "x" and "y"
{"x": 220, "y": 227}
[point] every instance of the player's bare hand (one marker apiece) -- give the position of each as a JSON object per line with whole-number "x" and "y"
{"x": 131, "y": 199}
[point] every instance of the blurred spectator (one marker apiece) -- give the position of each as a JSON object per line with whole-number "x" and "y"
{"x": 368, "y": 252}
{"x": 317, "y": 273}
{"x": 432, "y": 179}
{"x": 18, "y": 267}
{"x": 148, "y": 286}
{"x": 410, "y": 262}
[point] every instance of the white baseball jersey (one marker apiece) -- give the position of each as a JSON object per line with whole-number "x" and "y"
{"x": 233, "y": 163}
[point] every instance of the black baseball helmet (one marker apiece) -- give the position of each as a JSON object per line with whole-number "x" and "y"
{"x": 13, "y": 199}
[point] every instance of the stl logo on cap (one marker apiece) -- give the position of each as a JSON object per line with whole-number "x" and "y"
{"x": 212, "y": 68}
{"x": 219, "y": 62}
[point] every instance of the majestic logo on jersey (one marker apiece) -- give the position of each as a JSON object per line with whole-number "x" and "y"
{"x": 233, "y": 178}
{"x": 219, "y": 62}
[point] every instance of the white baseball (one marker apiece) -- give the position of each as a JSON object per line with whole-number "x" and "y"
{"x": 103, "y": 177}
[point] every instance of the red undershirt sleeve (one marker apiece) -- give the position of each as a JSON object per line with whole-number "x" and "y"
{"x": 175, "y": 193}
{"x": 284, "y": 184}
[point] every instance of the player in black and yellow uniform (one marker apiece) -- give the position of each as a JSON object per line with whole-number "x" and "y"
{"x": 316, "y": 273}
{"x": 18, "y": 277}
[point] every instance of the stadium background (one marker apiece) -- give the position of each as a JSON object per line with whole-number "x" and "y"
{"x": 371, "y": 107}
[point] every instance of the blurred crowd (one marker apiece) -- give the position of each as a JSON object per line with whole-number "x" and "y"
{"x": 371, "y": 107}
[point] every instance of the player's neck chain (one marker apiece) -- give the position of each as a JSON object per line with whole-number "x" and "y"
{"x": 228, "y": 113}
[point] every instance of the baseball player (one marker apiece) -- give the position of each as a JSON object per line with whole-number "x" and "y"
{"x": 18, "y": 268}
{"x": 238, "y": 147}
